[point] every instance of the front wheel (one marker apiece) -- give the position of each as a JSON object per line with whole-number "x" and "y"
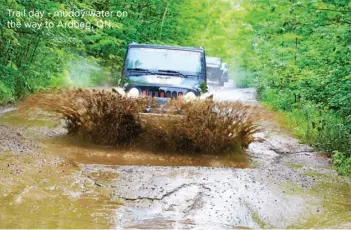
{"x": 221, "y": 80}
{"x": 226, "y": 78}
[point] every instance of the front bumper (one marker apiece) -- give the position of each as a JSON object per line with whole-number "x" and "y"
{"x": 162, "y": 105}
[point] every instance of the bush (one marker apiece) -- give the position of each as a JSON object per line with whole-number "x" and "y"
{"x": 314, "y": 125}
{"x": 5, "y": 94}
{"x": 319, "y": 127}
{"x": 279, "y": 99}
{"x": 243, "y": 79}
{"x": 343, "y": 163}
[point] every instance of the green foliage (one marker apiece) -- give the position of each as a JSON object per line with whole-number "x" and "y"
{"x": 243, "y": 79}
{"x": 29, "y": 58}
{"x": 299, "y": 55}
{"x": 32, "y": 59}
{"x": 210, "y": 24}
{"x": 343, "y": 163}
{"x": 318, "y": 127}
{"x": 5, "y": 93}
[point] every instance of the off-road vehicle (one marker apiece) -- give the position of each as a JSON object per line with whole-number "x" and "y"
{"x": 214, "y": 71}
{"x": 164, "y": 73}
{"x": 225, "y": 71}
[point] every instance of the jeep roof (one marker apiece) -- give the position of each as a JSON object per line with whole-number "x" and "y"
{"x": 198, "y": 49}
{"x": 213, "y": 60}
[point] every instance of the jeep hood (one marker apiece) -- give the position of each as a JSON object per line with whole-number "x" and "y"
{"x": 165, "y": 80}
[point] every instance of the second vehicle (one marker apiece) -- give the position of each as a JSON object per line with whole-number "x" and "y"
{"x": 214, "y": 70}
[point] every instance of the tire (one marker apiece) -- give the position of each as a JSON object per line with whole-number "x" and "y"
{"x": 226, "y": 78}
{"x": 221, "y": 80}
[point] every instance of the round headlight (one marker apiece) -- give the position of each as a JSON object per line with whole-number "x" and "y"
{"x": 133, "y": 92}
{"x": 189, "y": 96}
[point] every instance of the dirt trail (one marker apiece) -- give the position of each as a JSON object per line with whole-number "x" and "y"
{"x": 281, "y": 183}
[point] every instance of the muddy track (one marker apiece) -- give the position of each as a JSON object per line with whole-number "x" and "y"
{"x": 281, "y": 183}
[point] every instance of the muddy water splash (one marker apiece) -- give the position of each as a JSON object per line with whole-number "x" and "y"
{"x": 109, "y": 119}
{"x": 95, "y": 115}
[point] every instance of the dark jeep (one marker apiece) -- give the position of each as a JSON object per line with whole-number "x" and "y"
{"x": 214, "y": 70}
{"x": 164, "y": 72}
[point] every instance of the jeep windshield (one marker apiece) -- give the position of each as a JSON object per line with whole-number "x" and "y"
{"x": 182, "y": 63}
{"x": 213, "y": 61}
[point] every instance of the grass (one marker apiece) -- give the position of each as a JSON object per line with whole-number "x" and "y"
{"x": 342, "y": 162}
{"x": 318, "y": 127}
{"x": 333, "y": 202}
{"x": 255, "y": 216}
{"x": 321, "y": 176}
{"x": 292, "y": 165}
{"x": 324, "y": 132}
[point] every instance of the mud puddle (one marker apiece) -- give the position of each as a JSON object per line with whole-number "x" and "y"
{"x": 45, "y": 182}
{"x": 28, "y": 118}
{"x": 105, "y": 118}
{"x": 38, "y": 190}
{"x": 81, "y": 152}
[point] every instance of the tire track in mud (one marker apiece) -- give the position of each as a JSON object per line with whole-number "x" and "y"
{"x": 166, "y": 194}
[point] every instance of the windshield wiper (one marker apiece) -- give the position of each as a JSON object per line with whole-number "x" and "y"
{"x": 174, "y": 72}
{"x": 140, "y": 70}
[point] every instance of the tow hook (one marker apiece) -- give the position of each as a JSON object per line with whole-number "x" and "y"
{"x": 179, "y": 111}
{"x": 148, "y": 109}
